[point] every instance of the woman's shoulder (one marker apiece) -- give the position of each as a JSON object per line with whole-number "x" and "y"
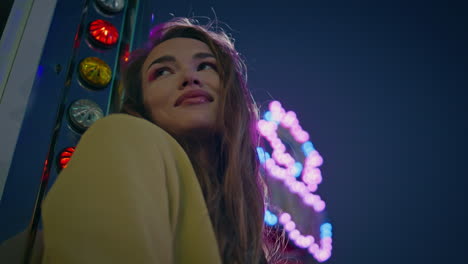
{"x": 126, "y": 127}
{"x": 130, "y": 131}
{"x": 124, "y": 123}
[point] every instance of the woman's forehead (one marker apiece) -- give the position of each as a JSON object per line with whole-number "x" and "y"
{"x": 178, "y": 47}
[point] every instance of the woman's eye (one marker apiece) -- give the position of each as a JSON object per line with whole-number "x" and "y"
{"x": 162, "y": 71}
{"x": 206, "y": 66}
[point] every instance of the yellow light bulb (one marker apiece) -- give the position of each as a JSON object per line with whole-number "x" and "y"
{"x": 95, "y": 72}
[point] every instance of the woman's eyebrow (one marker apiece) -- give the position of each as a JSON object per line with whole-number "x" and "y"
{"x": 203, "y": 55}
{"x": 168, "y": 58}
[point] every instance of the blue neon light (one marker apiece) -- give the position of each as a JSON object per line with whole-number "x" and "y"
{"x": 326, "y": 230}
{"x": 262, "y": 155}
{"x": 270, "y": 218}
{"x": 307, "y": 147}
{"x": 299, "y": 168}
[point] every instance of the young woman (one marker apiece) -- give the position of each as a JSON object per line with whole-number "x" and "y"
{"x": 175, "y": 179}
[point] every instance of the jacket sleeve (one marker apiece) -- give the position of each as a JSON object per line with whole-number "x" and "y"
{"x": 110, "y": 205}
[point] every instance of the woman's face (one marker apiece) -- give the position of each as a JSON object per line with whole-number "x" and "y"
{"x": 181, "y": 86}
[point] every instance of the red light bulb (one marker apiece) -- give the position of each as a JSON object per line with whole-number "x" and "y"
{"x": 103, "y": 32}
{"x": 65, "y": 157}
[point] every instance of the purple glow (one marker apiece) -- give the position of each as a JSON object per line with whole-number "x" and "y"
{"x": 311, "y": 239}
{"x": 289, "y": 119}
{"x": 321, "y": 252}
{"x": 289, "y": 226}
{"x": 312, "y": 187}
{"x": 319, "y": 206}
{"x": 294, "y": 234}
{"x": 322, "y": 255}
{"x": 313, "y": 248}
{"x": 285, "y": 218}
{"x": 275, "y": 106}
{"x": 309, "y": 199}
{"x": 314, "y": 159}
{"x": 312, "y": 176}
{"x": 303, "y": 242}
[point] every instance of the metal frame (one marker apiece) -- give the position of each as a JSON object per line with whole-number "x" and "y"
{"x": 20, "y": 51}
{"x": 42, "y": 129}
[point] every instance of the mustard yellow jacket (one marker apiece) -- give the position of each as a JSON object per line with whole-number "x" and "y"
{"x": 128, "y": 195}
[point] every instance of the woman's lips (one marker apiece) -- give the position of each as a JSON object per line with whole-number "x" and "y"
{"x": 195, "y": 100}
{"x": 193, "y": 96}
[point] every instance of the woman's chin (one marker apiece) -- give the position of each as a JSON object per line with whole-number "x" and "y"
{"x": 198, "y": 130}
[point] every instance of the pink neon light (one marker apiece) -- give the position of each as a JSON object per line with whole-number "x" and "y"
{"x": 284, "y": 218}
{"x": 321, "y": 251}
{"x": 275, "y": 106}
{"x": 312, "y": 187}
{"x": 311, "y": 175}
{"x": 289, "y": 119}
{"x": 294, "y": 234}
{"x": 290, "y": 226}
{"x": 314, "y": 160}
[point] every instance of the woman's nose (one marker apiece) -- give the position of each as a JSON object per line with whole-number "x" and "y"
{"x": 190, "y": 79}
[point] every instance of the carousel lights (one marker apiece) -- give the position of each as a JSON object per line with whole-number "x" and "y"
{"x": 290, "y": 171}
{"x": 320, "y": 249}
{"x": 95, "y": 72}
{"x": 270, "y": 218}
{"x": 103, "y": 32}
{"x": 83, "y": 113}
{"x": 311, "y": 178}
{"x": 111, "y": 6}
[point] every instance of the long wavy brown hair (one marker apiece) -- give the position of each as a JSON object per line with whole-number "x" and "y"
{"x": 233, "y": 188}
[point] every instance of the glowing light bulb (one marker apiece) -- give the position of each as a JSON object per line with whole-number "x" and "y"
{"x": 103, "y": 32}
{"x": 294, "y": 234}
{"x": 83, "y": 113}
{"x": 285, "y": 218}
{"x": 111, "y": 6}
{"x": 65, "y": 157}
{"x": 95, "y": 72}
{"x": 290, "y": 226}
{"x": 275, "y": 106}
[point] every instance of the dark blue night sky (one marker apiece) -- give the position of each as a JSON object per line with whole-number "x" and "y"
{"x": 380, "y": 87}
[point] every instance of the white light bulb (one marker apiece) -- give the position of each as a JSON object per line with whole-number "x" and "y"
{"x": 83, "y": 113}
{"x": 112, "y": 6}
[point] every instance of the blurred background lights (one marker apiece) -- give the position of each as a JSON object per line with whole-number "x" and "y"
{"x": 300, "y": 177}
{"x": 263, "y": 156}
{"x": 270, "y": 218}
{"x": 267, "y": 116}
{"x": 320, "y": 249}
